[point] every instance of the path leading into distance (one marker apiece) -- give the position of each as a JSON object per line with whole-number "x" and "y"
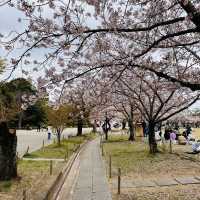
{"x": 91, "y": 182}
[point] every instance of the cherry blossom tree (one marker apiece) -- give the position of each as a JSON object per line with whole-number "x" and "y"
{"x": 156, "y": 99}
{"x": 110, "y": 39}
{"x": 123, "y": 104}
{"x": 83, "y": 97}
{"x": 72, "y": 31}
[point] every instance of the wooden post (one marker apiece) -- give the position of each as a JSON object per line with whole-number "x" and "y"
{"x": 119, "y": 181}
{"x": 170, "y": 145}
{"x": 110, "y": 167}
{"x": 67, "y": 152}
{"x": 43, "y": 144}
{"x": 24, "y": 195}
{"x": 51, "y": 167}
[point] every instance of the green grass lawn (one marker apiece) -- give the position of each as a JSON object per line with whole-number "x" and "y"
{"x": 135, "y": 160}
{"x": 35, "y": 175}
{"x": 126, "y": 154}
{"x": 65, "y": 149}
{"x": 29, "y": 172}
{"x": 5, "y": 186}
{"x": 137, "y": 164}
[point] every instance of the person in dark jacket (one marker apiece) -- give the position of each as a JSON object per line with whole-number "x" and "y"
{"x": 188, "y": 130}
{"x": 167, "y": 134}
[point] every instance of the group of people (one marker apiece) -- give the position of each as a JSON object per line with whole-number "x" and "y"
{"x": 174, "y": 134}
{"x": 184, "y": 138}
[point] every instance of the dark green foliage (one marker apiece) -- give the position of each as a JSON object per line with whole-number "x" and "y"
{"x": 11, "y": 98}
{"x": 21, "y": 85}
{"x": 6, "y": 95}
{"x": 34, "y": 116}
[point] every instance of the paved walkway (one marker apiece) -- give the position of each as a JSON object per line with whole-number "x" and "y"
{"x": 158, "y": 182}
{"x": 91, "y": 182}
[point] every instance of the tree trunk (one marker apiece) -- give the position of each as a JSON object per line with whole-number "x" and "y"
{"x": 152, "y": 140}
{"x": 106, "y": 134}
{"x": 123, "y": 124}
{"x": 79, "y": 127}
{"x": 131, "y": 130}
{"x": 107, "y": 127}
{"x": 20, "y": 120}
{"x": 94, "y": 127}
{"x": 59, "y": 137}
{"x": 8, "y": 145}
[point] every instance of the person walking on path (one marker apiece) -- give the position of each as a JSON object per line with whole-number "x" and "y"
{"x": 49, "y": 133}
{"x": 106, "y": 127}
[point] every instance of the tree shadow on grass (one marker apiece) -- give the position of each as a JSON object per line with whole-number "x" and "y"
{"x": 5, "y": 186}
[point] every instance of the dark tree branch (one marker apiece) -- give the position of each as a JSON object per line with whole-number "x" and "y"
{"x": 192, "y": 12}
{"x": 165, "y": 37}
{"x": 129, "y": 30}
{"x": 192, "y": 86}
{"x": 178, "y": 111}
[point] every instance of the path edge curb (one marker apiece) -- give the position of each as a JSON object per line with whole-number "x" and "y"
{"x": 56, "y": 187}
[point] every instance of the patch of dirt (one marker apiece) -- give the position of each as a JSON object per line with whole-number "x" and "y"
{"x": 35, "y": 180}
{"x": 180, "y": 192}
{"x": 165, "y": 165}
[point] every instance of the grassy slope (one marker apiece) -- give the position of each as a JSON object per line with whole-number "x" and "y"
{"x": 55, "y": 151}
{"x": 34, "y": 177}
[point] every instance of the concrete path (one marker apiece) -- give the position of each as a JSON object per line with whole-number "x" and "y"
{"x": 91, "y": 183}
{"x": 158, "y": 182}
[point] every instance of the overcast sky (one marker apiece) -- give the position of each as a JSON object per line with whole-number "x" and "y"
{"x": 9, "y": 22}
